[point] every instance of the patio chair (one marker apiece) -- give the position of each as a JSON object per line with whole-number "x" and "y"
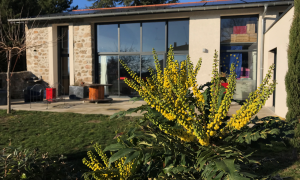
{"x": 33, "y": 94}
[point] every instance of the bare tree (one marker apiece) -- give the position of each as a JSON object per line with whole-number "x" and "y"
{"x": 14, "y": 41}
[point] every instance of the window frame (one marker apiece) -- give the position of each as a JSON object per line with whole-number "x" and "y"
{"x": 140, "y": 53}
{"x": 240, "y": 43}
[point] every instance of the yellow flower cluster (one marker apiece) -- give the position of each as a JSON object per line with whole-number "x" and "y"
{"x": 255, "y": 102}
{"x": 166, "y": 91}
{"x": 124, "y": 171}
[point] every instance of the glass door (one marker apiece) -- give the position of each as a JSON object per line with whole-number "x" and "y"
{"x": 63, "y": 60}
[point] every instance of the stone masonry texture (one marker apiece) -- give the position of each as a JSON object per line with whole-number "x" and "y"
{"x": 83, "y": 61}
{"x": 37, "y": 55}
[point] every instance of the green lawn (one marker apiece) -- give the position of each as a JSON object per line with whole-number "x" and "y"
{"x": 278, "y": 159}
{"x": 58, "y": 133}
{"x": 73, "y": 134}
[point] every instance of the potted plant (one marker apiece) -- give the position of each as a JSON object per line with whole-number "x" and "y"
{"x": 78, "y": 91}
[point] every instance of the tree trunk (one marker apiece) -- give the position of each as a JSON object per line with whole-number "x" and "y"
{"x": 8, "y": 82}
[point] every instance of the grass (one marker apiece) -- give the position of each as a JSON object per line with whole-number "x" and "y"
{"x": 58, "y": 133}
{"x": 73, "y": 134}
{"x": 277, "y": 159}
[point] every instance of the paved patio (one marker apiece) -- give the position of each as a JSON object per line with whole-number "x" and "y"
{"x": 118, "y": 104}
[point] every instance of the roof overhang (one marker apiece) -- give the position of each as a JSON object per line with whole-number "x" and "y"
{"x": 154, "y": 11}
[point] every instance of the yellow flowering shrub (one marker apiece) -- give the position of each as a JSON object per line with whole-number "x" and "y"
{"x": 102, "y": 170}
{"x": 166, "y": 91}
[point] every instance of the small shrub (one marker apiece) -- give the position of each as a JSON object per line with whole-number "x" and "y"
{"x": 18, "y": 163}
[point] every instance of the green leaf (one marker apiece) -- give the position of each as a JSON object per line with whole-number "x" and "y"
{"x": 121, "y": 153}
{"x": 255, "y": 136}
{"x": 219, "y": 176}
{"x": 275, "y": 131}
{"x": 248, "y": 138}
{"x": 136, "y": 99}
{"x": 131, "y": 156}
{"x": 118, "y": 114}
{"x": 145, "y": 143}
{"x": 114, "y": 147}
{"x": 226, "y": 165}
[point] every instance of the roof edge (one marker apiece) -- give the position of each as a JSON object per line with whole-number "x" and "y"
{"x": 183, "y": 9}
{"x": 281, "y": 16}
{"x": 152, "y": 5}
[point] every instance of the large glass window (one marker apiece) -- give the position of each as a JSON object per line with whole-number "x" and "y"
{"x": 178, "y": 35}
{"x": 134, "y": 63}
{"x": 107, "y": 38}
{"x": 239, "y": 29}
{"x": 132, "y": 43}
{"x": 148, "y": 62}
{"x": 130, "y": 37}
{"x": 108, "y": 73}
{"x": 154, "y": 36}
{"x": 239, "y": 46}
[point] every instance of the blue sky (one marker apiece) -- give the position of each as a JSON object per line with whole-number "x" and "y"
{"x": 83, "y": 3}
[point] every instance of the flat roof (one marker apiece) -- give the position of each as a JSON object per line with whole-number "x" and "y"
{"x": 157, "y": 8}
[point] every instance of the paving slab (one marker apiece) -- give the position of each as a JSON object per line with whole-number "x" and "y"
{"x": 77, "y": 106}
{"x": 118, "y": 104}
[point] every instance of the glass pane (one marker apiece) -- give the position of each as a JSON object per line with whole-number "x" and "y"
{"x": 178, "y": 35}
{"x": 107, "y": 38}
{"x": 148, "y": 62}
{"x": 245, "y": 64}
{"x": 239, "y": 29}
{"x": 133, "y": 62}
{"x": 248, "y": 47}
{"x": 108, "y": 73}
{"x": 64, "y": 76}
{"x": 64, "y": 40}
{"x": 180, "y": 57}
{"x": 154, "y": 36}
{"x": 130, "y": 37}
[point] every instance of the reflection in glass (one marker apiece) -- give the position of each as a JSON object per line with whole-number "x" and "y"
{"x": 108, "y": 73}
{"x": 245, "y": 64}
{"x": 148, "y": 62}
{"x": 178, "y": 35}
{"x": 107, "y": 38}
{"x": 64, "y": 40}
{"x": 64, "y": 76}
{"x": 133, "y": 62}
{"x": 239, "y": 29}
{"x": 130, "y": 37}
{"x": 180, "y": 57}
{"x": 248, "y": 47}
{"x": 153, "y": 36}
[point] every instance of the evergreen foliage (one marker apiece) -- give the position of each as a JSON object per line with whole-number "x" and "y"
{"x": 114, "y": 3}
{"x": 292, "y": 78}
{"x": 28, "y": 8}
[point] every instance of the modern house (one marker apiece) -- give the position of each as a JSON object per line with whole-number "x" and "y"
{"x": 85, "y": 45}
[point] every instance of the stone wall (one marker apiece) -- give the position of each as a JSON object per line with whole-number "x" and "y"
{"x": 18, "y": 83}
{"x": 83, "y": 61}
{"x": 37, "y": 55}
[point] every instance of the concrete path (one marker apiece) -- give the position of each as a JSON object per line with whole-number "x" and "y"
{"x": 118, "y": 104}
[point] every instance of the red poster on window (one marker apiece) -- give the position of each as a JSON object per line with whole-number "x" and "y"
{"x": 239, "y": 29}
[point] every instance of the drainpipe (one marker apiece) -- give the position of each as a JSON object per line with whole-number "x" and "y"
{"x": 262, "y": 42}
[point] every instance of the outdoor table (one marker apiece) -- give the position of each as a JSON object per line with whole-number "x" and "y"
{"x": 96, "y": 93}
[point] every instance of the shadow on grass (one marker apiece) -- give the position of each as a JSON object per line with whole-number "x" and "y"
{"x": 274, "y": 159}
